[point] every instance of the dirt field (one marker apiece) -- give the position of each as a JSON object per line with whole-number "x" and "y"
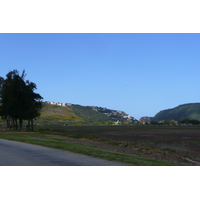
{"x": 171, "y": 143}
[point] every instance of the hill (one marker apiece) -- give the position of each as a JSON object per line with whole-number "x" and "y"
{"x": 88, "y": 114}
{"x": 146, "y": 119}
{"x": 189, "y": 111}
{"x": 60, "y": 114}
{"x": 54, "y": 114}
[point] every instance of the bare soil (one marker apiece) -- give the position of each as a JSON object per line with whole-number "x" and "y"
{"x": 179, "y": 144}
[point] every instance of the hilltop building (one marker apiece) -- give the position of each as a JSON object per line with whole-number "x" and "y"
{"x": 56, "y": 103}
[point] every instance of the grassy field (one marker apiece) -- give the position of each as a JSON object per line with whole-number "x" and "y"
{"x": 134, "y": 145}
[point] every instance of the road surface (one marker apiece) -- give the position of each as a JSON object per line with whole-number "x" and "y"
{"x": 21, "y": 154}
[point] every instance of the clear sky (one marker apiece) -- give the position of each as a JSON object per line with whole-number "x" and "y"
{"x": 140, "y": 74}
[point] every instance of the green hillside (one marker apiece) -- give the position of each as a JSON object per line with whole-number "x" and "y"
{"x": 53, "y": 114}
{"x": 60, "y": 112}
{"x": 190, "y": 111}
{"x": 74, "y": 114}
{"x": 89, "y": 115}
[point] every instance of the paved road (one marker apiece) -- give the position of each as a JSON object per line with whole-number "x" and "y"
{"x": 21, "y": 154}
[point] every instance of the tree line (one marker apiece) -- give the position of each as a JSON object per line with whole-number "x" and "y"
{"x": 18, "y": 101}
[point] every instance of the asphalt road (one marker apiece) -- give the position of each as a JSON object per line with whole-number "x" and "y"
{"x": 21, "y": 154}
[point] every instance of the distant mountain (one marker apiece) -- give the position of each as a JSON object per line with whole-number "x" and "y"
{"x": 146, "y": 119}
{"x": 65, "y": 113}
{"x": 190, "y": 111}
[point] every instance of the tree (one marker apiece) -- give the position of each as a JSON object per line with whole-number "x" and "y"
{"x": 18, "y": 99}
{"x": 1, "y": 84}
{"x": 32, "y": 105}
{"x": 184, "y": 120}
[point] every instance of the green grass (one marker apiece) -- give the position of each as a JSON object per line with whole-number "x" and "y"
{"x": 56, "y": 141}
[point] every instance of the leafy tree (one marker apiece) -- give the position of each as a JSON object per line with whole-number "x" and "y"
{"x": 32, "y": 104}
{"x": 19, "y": 101}
{"x": 1, "y": 84}
{"x": 184, "y": 120}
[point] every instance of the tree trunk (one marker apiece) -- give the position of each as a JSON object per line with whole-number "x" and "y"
{"x": 7, "y": 124}
{"x": 16, "y": 125}
{"x": 29, "y": 125}
{"x": 20, "y": 123}
{"x": 13, "y": 124}
{"x": 32, "y": 124}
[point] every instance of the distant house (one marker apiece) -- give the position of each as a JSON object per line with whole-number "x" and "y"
{"x": 94, "y": 108}
{"x": 52, "y": 103}
{"x": 58, "y": 104}
{"x": 117, "y": 122}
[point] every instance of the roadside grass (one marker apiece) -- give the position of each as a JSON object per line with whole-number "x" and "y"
{"x": 56, "y": 141}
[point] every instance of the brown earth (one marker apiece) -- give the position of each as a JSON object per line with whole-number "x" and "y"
{"x": 175, "y": 144}
{"x": 128, "y": 149}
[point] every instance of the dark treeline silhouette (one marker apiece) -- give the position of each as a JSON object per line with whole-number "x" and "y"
{"x": 18, "y": 101}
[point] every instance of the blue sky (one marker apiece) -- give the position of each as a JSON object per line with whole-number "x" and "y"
{"x": 140, "y": 74}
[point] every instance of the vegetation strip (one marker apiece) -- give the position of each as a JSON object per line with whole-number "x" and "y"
{"x": 53, "y": 141}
